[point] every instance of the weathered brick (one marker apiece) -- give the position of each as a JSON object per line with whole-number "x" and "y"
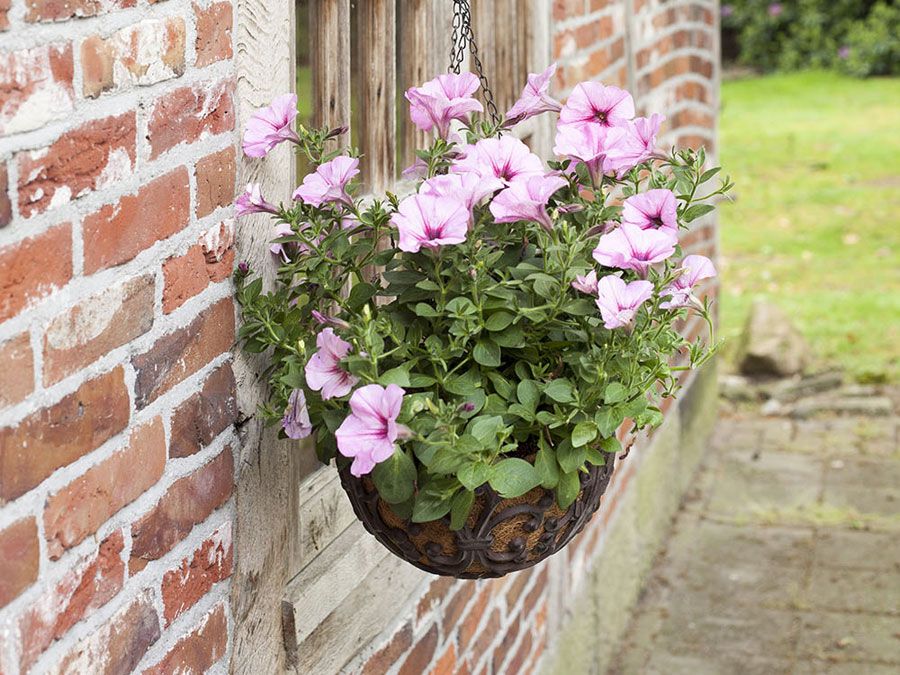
{"x": 458, "y": 602}
{"x": 418, "y": 659}
{"x": 487, "y": 634}
{"x": 215, "y": 181}
{"x": 98, "y": 325}
{"x": 35, "y": 87}
{"x": 19, "y": 558}
{"x": 565, "y": 9}
{"x": 437, "y": 591}
{"x": 190, "y": 113}
{"x": 58, "y": 435}
{"x": 503, "y": 647}
{"x": 118, "y": 232}
{"x": 179, "y": 354}
{"x": 517, "y": 584}
{"x": 16, "y": 369}
{"x": 60, "y": 10}
{"x": 4, "y": 11}
{"x": 147, "y": 52}
{"x": 468, "y": 626}
{"x": 188, "y": 501}
{"x": 90, "y": 157}
{"x": 88, "y": 585}
{"x": 82, "y": 506}
{"x": 213, "y": 32}
{"x": 189, "y": 274}
{"x": 33, "y": 268}
{"x": 117, "y": 646}
{"x": 206, "y": 414}
{"x": 210, "y": 564}
{"x": 523, "y": 652}
{"x": 5, "y": 201}
{"x": 199, "y": 650}
{"x": 446, "y": 664}
{"x": 385, "y": 658}
{"x": 535, "y": 594}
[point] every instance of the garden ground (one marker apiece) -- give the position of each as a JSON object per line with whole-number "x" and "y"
{"x": 814, "y": 221}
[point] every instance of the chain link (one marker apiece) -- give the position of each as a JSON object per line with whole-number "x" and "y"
{"x": 464, "y": 37}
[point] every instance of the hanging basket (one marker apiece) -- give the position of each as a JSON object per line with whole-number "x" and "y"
{"x": 500, "y": 536}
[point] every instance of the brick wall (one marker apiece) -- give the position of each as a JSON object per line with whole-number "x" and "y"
{"x": 117, "y": 171}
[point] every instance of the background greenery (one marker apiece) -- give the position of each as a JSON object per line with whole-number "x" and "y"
{"x": 814, "y": 222}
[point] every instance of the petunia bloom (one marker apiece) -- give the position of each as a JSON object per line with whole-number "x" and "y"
{"x": 619, "y": 302}
{"x": 439, "y": 101}
{"x": 506, "y": 158}
{"x": 630, "y": 248}
{"x": 527, "y": 200}
{"x": 594, "y": 103}
{"x": 467, "y": 188}
{"x": 588, "y": 144}
{"x": 329, "y": 182}
{"x": 693, "y": 269}
{"x": 535, "y": 98}
{"x": 279, "y": 250}
{"x": 296, "y": 422}
{"x": 652, "y": 209}
{"x": 370, "y": 430}
{"x": 587, "y": 283}
{"x": 430, "y": 221}
{"x": 269, "y": 126}
{"x": 323, "y": 370}
{"x": 637, "y": 145}
{"x": 252, "y": 201}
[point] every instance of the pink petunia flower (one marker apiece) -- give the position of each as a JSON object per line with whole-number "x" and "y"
{"x": 467, "y": 188}
{"x": 535, "y": 98}
{"x": 323, "y": 370}
{"x": 594, "y": 103}
{"x": 652, "y": 209}
{"x": 282, "y": 251}
{"x": 269, "y": 126}
{"x": 630, "y": 248}
{"x": 296, "y": 422}
{"x": 370, "y": 430}
{"x": 329, "y": 182}
{"x": 446, "y": 98}
{"x": 693, "y": 269}
{"x": 587, "y": 283}
{"x": 430, "y": 221}
{"x": 252, "y": 201}
{"x": 619, "y": 302}
{"x": 506, "y": 158}
{"x": 636, "y": 146}
{"x": 527, "y": 200}
{"x": 325, "y": 320}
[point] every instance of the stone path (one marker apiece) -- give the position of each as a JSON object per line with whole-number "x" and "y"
{"x": 784, "y": 559}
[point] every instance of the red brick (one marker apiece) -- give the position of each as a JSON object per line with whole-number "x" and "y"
{"x": 215, "y": 181}
{"x": 486, "y": 635}
{"x": 502, "y": 649}
{"x": 35, "y": 87}
{"x": 446, "y": 665}
{"x": 692, "y": 118}
{"x": 564, "y": 9}
{"x": 59, "y": 434}
{"x": 90, "y": 157}
{"x": 145, "y": 53}
{"x": 517, "y": 662}
{"x": 457, "y": 603}
{"x": 96, "y": 326}
{"x": 5, "y": 202}
{"x": 418, "y": 659}
{"x": 517, "y": 584}
{"x": 189, "y": 274}
{"x": 190, "y": 113}
{"x": 206, "y": 414}
{"x": 213, "y": 32}
{"x": 187, "y": 502}
{"x": 198, "y": 651}
{"x": 535, "y": 594}
{"x": 83, "y": 505}
{"x": 469, "y": 624}
{"x": 118, "y": 232}
{"x": 183, "y": 352}
{"x": 210, "y": 564}
{"x": 19, "y": 558}
{"x": 437, "y": 591}
{"x": 597, "y": 5}
{"x": 34, "y": 268}
{"x": 385, "y": 658}
{"x": 88, "y": 585}
{"x": 116, "y": 647}
{"x": 59, "y": 10}
{"x": 4, "y": 11}
{"x": 16, "y": 369}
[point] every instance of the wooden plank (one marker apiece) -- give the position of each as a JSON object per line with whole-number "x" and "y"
{"x": 330, "y": 29}
{"x": 323, "y": 512}
{"x": 415, "y": 66}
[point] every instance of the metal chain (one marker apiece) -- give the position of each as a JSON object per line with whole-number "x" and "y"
{"x": 463, "y": 36}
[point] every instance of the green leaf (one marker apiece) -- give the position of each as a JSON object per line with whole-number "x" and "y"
{"x": 580, "y": 307}
{"x": 513, "y": 477}
{"x": 511, "y": 337}
{"x": 395, "y": 477}
{"x": 423, "y": 309}
{"x": 474, "y": 475}
{"x": 570, "y": 457}
{"x": 594, "y": 456}
{"x": 611, "y": 444}
{"x": 502, "y": 386}
{"x": 560, "y": 391}
{"x": 417, "y": 381}
{"x": 447, "y": 460}
{"x": 696, "y": 211}
{"x": 487, "y": 353}
{"x": 360, "y": 294}
{"x": 608, "y": 420}
{"x": 583, "y": 433}
{"x": 707, "y": 175}
{"x": 463, "y": 385}
{"x": 521, "y": 411}
{"x": 431, "y": 506}
{"x": 498, "y": 321}
{"x": 568, "y": 489}
{"x": 461, "y": 307}
{"x": 398, "y": 376}
{"x": 615, "y": 392}
{"x": 486, "y": 428}
{"x": 459, "y": 511}
{"x": 528, "y": 393}
{"x": 547, "y": 468}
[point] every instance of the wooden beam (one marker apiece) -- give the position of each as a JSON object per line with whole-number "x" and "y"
{"x": 330, "y": 34}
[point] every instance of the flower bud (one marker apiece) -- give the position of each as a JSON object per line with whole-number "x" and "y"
{"x": 468, "y": 407}
{"x": 243, "y": 267}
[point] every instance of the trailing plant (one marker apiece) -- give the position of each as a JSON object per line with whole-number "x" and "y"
{"x": 497, "y": 324}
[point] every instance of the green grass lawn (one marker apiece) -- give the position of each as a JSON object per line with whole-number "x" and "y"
{"x": 815, "y": 221}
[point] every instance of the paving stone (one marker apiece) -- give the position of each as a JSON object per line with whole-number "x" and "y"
{"x": 715, "y": 663}
{"x": 877, "y": 501}
{"x": 856, "y": 590}
{"x": 845, "y": 668}
{"x": 866, "y": 472}
{"x": 865, "y": 550}
{"x": 849, "y": 637}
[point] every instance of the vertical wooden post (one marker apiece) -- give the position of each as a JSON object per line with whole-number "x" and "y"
{"x": 330, "y": 34}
